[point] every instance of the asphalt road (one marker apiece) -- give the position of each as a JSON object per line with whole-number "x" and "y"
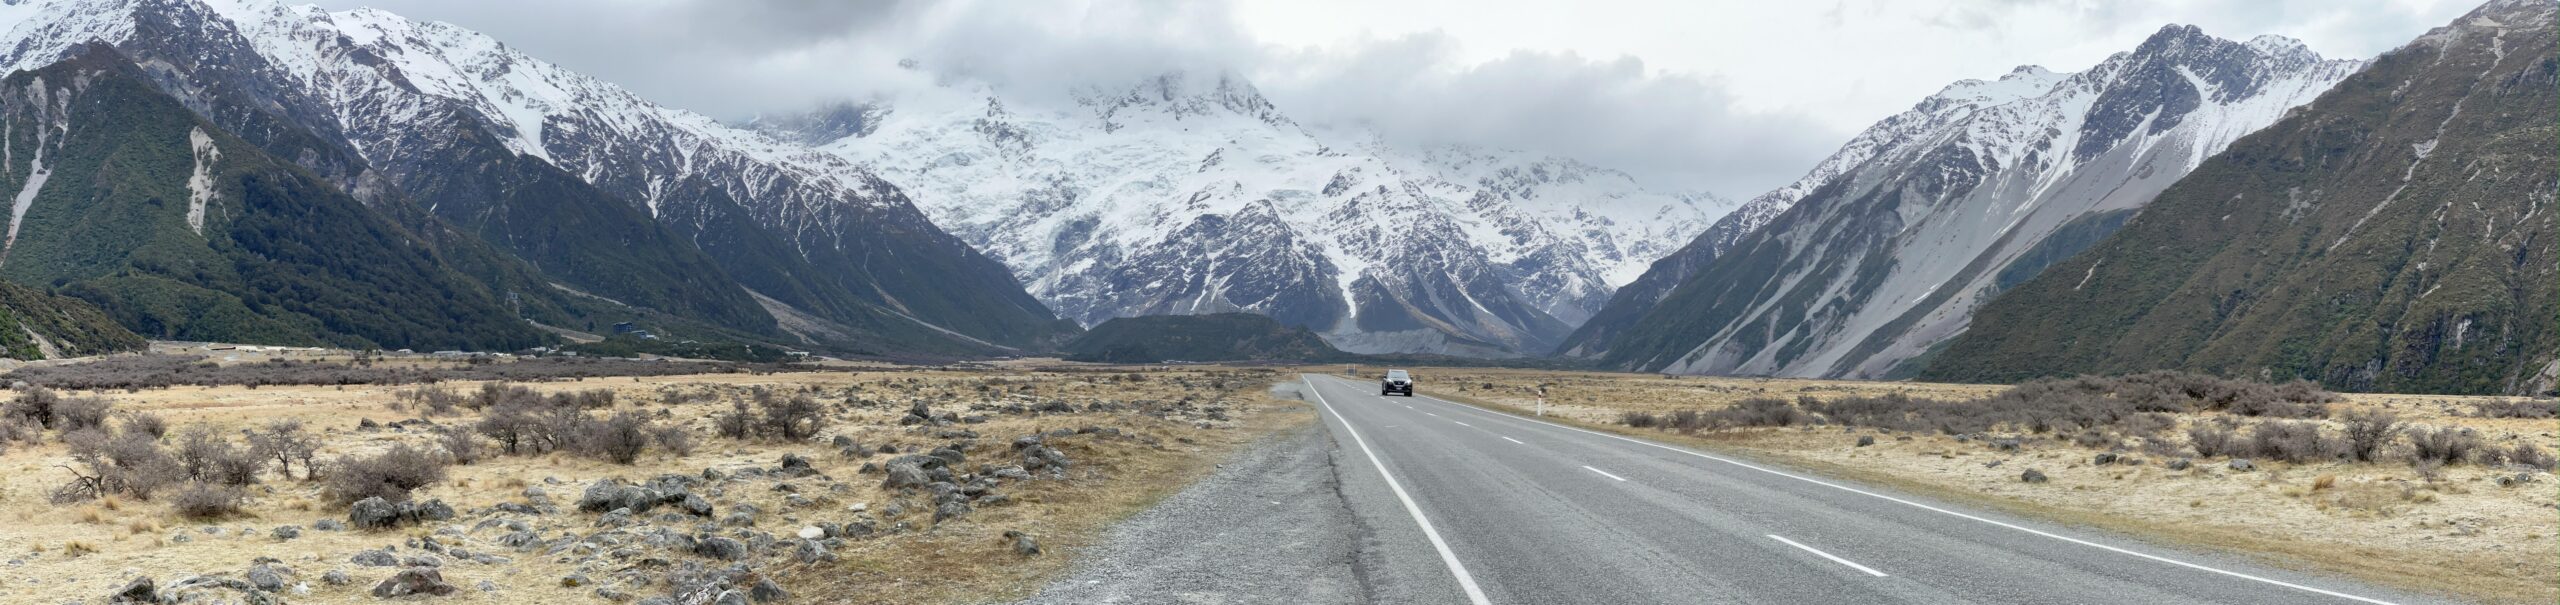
{"x": 1418, "y": 500}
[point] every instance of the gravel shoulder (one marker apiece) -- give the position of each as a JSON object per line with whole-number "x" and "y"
{"x": 1268, "y": 527}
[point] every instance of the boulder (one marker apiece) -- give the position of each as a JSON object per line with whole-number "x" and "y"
{"x": 1023, "y": 544}
{"x": 373, "y": 513}
{"x": 286, "y": 532}
{"x": 375, "y": 558}
{"x": 2032, "y": 476}
{"x": 2242, "y": 465}
{"x": 138, "y": 591}
{"x": 2181, "y": 464}
{"x": 1866, "y": 440}
{"x": 414, "y": 581}
{"x": 719, "y": 547}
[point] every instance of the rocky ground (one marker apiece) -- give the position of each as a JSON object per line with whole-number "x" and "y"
{"x": 918, "y": 486}
{"x": 2482, "y": 527}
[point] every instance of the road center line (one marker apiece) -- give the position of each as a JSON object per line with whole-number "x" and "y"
{"x": 2021, "y": 528}
{"x": 1602, "y": 472}
{"x": 1516, "y": 441}
{"x": 1466, "y": 582}
{"x": 1826, "y": 555}
{"x": 1464, "y": 424}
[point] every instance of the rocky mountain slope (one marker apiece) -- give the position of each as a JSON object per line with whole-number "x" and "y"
{"x": 179, "y": 230}
{"x": 1967, "y": 193}
{"x": 614, "y": 200}
{"x": 2395, "y": 235}
{"x": 1191, "y": 193}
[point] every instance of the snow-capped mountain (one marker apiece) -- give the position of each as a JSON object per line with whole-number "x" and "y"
{"x": 1190, "y": 193}
{"x": 606, "y": 192}
{"x": 1910, "y": 226}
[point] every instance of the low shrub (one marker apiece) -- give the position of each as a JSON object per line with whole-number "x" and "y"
{"x": 286, "y": 442}
{"x": 2292, "y": 441}
{"x": 1642, "y": 420}
{"x": 146, "y": 424}
{"x": 2210, "y": 441}
{"x": 673, "y": 439}
{"x": 620, "y": 438}
{"x": 2527, "y": 454}
{"x": 2368, "y": 432}
{"x": 2537, "y": 409}
{"x": 2442, "y": 445}
{"x": 206, "y": 501}
{"x": 460, "y": 446}
{"x": 390, "y": 475}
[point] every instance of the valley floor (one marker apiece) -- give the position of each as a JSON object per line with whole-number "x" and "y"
{"x": 826, "y": 532}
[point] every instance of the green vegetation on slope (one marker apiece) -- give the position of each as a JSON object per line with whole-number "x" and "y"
{"x": 2395, "y": 235}
{"x": 280, "y": 256}
{"x": 31, "y": 322}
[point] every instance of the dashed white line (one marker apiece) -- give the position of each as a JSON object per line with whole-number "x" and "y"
{"x": 1604, "y": 473}
{"x": 1466, "y": 582}
{"x": 1516, "y": 441}
{"x": 1834, "y": 559}
{"x": 1431, "y": 414}
{"x": 1464, "y": 424}
{"x": 2013, "y": 526}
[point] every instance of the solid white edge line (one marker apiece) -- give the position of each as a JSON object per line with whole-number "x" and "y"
{"x": 2030, "y": 530}
{"x": 1515, "y": 441}
{"x": 1466, "y": 582}
{"x": 1834, "y": 559}
{"x": 1602, "y": 473}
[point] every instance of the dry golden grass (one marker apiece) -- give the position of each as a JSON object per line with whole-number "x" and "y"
{"x": 2455, "y": 533}
{"x": 961, "y": 560}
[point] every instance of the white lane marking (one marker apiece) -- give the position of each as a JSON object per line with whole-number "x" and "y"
{"x": 1431, "y": 414}
{"x": 1516, "y": 441}
{"x": 1603, "y": 473}
{"x": 1464, "y": 424}
{"x": 2030, "y": 530}
{"x": 1466, "y": 582}
{"x": 1834, "y": 559}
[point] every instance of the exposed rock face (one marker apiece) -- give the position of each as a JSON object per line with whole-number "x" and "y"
{"x": 2395, "y": 235}
{"x": 1970, "y": 192}
{"x": 621, "y": 204}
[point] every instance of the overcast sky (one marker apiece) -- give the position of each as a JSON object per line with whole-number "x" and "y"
{"x": 1735, "y": 96}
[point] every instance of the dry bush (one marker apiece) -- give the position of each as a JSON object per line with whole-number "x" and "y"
{"x": 2537, "y": 409}
{"x": 103, "y": 465}
{"x": 673, "y": 439}
{"x": 2527, "y": 454}
{"x": 34, "y": 405}
{"x": 2368, "y": 432}
{"x": 81, "y": 413}
{"x": 2211, "y": 441}
{"x": 2292, "y": 441}
{"x": 459, "y": 445}
{"x": 1760, "y": 411}
{"x": 390, "y": 475}
{"x": 206, "y": 501}
{"x": 1642, "y": 420}
{"x": 737, "y": 423}
{"x": 793, "y": 418}
{"x": 146, "y": 423}
{"x": 208, "y": 457}
{"x": 2442, "y": 445}
{"x": 430, "y": 400}
{"x": 619, "y": 439}
{"x": 514, "y": 427}
{"x": 285, "y": 442}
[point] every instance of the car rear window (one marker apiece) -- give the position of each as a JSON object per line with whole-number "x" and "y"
{"x": 1395, "y": 373}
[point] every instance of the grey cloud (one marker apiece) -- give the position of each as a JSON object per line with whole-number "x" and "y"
{"x": 1670, "y": 129}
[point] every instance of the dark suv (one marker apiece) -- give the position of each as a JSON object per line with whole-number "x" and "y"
{"x": 1396, "y": 382}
